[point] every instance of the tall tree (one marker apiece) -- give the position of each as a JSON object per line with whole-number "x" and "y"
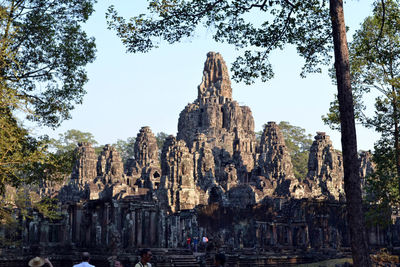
{"x": 308, "y": 25}
{"x": 375, "y": 65}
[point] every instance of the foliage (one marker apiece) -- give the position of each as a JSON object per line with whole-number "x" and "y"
{"x": 304, "y": 24}
{"x": 375, "y": 65}
{"x": 126, "y": 148}
{"x": 160, "y": 137}
{"x": 64, "y": 149}
{"x": 298, "y": 144}
{"x": 18, "y": 152}
{"x": 382, "y": 185}
{"x": 43, "y": 54}
{"x": 18, "y": 205}
{"x": 69, "y": 140}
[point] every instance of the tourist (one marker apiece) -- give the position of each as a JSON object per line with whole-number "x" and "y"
{"x": 85, "y": 261}
{"x": 195, "y": 242}
{"x": 188, "y": 241}
{"x": 38, "y": 262}
{"x": 219, "y": 260}
{"x": 145, "y": 256}
{"x": 118, "y": 264}
{"x": 204, "y": 242}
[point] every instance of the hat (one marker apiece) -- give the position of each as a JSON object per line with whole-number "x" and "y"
{"x": 36, "y": 262}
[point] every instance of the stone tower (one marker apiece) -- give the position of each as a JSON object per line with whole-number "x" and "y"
{"x": 227, "y": 126}
{"x": 325, "y": 168}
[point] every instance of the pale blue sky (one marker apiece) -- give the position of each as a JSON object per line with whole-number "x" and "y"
{"x": 128, "y": 91}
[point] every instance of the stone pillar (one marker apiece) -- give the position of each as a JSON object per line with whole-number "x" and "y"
{"x": 67, "y": 234}
{"x": 106, "y": 222}
{"x": 78, "y": 219}
{"x": 44, "y": 233}
{"x": 274, "y": 234}
{"x": 139, "y": 228}
{"x": 153, "y": 229}
{"x": 133, "y": 229}
{"x": 290, "y": 233}
{"x": 146, "y": 228}
{"x": 162, "y": 230}
{"x": 307, "y": 236}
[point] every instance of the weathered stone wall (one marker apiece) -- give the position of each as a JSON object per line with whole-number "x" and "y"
{"x": 121, "y": 226}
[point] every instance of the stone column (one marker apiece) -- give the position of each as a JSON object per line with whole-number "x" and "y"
{"x": 161, "y": 230}
{"x": 78, "y": 219}
{"x": 146, "y": 228}
{"x": 153, "y": 229}
{"x": 139, "y": 228}
{"x": 133, "y": 229}
{"x": 106, "y": 223}
{"x": 274, "y": 234}
{"x": 44, "y": 233}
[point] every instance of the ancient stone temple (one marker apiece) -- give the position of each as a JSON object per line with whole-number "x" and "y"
{"x": 213, "y": 179}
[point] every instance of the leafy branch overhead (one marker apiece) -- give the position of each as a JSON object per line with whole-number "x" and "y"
{"x": 43, "y": 54}
{"x": 274, "y": 23}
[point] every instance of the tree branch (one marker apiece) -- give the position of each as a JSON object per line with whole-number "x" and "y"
{"x": 261, "y": 6}
{"x": 291, "y": 4}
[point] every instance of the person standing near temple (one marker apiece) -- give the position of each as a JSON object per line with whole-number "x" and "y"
{"x": 117, "y": 263}
{"x": 195, "y": 243}
{"x": 85, "y": 260}
{"x": 188, "y": 241}
{"x": 39, "y": 262}
{"x": 145, "y": 257}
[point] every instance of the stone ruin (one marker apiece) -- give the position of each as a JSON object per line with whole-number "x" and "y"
{"x": 214, "y": 179}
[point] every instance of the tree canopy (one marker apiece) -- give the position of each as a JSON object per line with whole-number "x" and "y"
{"x": 298, "y": 144}
{"x": 43, "y": 52}
{"x": 126, "y": 148}
{"x": 304, "y": 24}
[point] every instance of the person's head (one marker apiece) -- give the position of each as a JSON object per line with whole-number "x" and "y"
{"x": 85, "y": 256}
{"x": 36, "y": 262}
{"x": 118, "y": 264}
{"x": 219, "y": 259}
{"x": 145, "y": 255}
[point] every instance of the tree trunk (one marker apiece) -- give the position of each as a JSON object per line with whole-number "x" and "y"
{"x": 396, "y": 134}
{"x": 352, "y": 185}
